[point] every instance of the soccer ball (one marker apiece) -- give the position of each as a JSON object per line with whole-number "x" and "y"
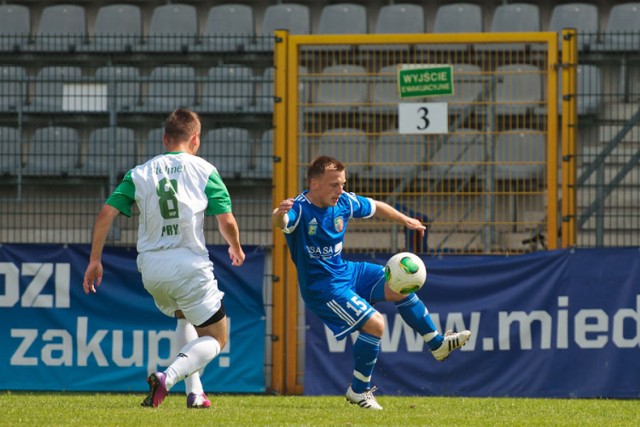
{"x": 405, "y": 273}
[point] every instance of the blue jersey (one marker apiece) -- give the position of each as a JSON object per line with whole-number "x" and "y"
{"x": 315, "y": 237}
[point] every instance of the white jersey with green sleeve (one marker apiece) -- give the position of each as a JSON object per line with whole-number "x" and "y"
{"x": 174, "y": 191}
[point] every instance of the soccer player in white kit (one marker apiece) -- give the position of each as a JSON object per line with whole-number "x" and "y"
{"x": 174, "y": 191}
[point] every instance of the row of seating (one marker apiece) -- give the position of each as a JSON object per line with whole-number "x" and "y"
{"x": 174, "y": 27}
{"x": 59, "y": 151}
{"x": 234, "y": 88}
{"x": 517, "y": 154}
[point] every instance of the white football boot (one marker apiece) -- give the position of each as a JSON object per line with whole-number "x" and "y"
{"x": 452, "y": 341}
{"x": 364, "y": 400}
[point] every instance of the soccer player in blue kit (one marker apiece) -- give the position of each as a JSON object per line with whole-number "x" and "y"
{"x": 339, "y": 292}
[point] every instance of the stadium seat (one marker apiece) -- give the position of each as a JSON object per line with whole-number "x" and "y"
{"x": 341, "y": 88}
{"x": 342, "y": 18}
{"x": 11, "y": 149}
{"x": 292, "y": 17}
{"x": 396, "y": 156}
{"x": 461, "y": 156}
{"x": 50, "y": 88}
{"x": 117, "y": 28}
{"x": 173, "y": 28}
{"x": 398, "y": 19}
{"x": 264, "y": 100}
{"x": 63, "y": 27}
{"x": 519, "y": 90}
{"x": 124, "y": 89}
{"x": 169, "y": 87}
{"x": 520, "y": 154}
{"x": 15, "y": 27}
{"x": 581, "y": 16}
{"x": 456, "y": 18}
{"x": 264, "y": 156}
{"x": 468, "y": 83}
{"x": 345, "y": 144}
{"x": 510, "y": 18}
{"x": 589, "y": 90}
{"x": 229, "y": 150}
{"x": 13, "y": 87}
{"x": 229, "y": 28}
{"x": 110, "y": 151}
{"x": 622, "y": 31}
{"x": 53, "y": 151}
{"x": 153, "y": 146}
{"x": 230, "y": 88}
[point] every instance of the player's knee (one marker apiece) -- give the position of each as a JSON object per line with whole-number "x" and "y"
{"x": 375, "y": 325}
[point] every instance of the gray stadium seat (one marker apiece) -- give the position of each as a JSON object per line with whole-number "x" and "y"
{"x": 229, "y": 27}
{"x": 345, "y": 144}
{"x": 264, "y": 100}
{"x": 581, "y": 16}
{"x": 15, "y": 27}
{"x": 53, "y": 151}
{"x": 153, "y": 146}
{"x": 511, "y": 18}
{"x": 264, "y": 156}
{"x": 293, "y": 17}
{"x": 520, "y": 154}
{"x": 342, "y": 88}
{"x": 170, "y": 87}
{"x": 520, "y": 90}
{"x": 173, "y": 28}
{"x": 49, "y": 88}
{"x": 13, "y": 88}
{"x": 589, "y": 90}
{"x": 395, "y": 155}
{"x": 621, "y": 32}
{"x": 230, "y": 88}
{"x": 456, "y": 18}
{"x": 461, "y": 156}
{"x": 467, "y": 84}
{"x": 117, "y": 28}
{"x": 124, "y": 85}
{"x": 398, "y": 19}
{"x": 342, "y": 18}
{"x": 11, "y": 149}
{"x": 110, "y": 150}
{"x": 63, "y": 27}
{"x": 229, "y": 150}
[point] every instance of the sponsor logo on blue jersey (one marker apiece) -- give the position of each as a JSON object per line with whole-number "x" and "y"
{"x": 313, "y": 227}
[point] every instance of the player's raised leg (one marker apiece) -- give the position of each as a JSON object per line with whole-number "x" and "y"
{"x": 415, "y": 314}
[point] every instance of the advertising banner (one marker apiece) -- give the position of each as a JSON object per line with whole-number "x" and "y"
{"x": 549, "y": 324}
{"x": 54, "y": 337}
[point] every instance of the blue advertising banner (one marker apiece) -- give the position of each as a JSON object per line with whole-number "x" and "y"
{"x": 549, "y": 324}
{"x": 54, "y": 337}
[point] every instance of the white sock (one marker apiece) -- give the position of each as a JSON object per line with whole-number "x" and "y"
{"x": 192, "y": 357}
{"x": 185, "y": 333}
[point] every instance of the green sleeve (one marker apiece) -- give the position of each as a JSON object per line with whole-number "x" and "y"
{"x": 217, "y": 194}
{"x": 123, "y": 196}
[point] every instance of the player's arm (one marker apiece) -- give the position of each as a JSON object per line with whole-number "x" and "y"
{"x": 93, "y": 274}
{"x": 279, "y": 216}
{"x": 228, "y": 227}
{"x": 386, "y": 211}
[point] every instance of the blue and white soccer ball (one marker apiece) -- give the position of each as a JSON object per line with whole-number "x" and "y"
{"x": 405, "y": 273}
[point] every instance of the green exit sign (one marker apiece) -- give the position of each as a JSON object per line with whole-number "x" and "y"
{"x": 416, "y": 82}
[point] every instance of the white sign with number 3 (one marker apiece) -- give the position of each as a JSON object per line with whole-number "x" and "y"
{"x": 423, "y": 118}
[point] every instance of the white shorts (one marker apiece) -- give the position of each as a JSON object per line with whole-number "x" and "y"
{"x": 179, "y": 279}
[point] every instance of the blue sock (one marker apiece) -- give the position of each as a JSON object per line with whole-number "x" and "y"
{"x": 416, "y": 315}
{"x": 365, "y": 355}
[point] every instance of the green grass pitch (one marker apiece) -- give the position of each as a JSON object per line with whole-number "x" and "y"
{"x": 105, "y": 409}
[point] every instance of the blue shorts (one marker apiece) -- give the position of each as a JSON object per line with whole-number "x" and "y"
{"x": 346, "y": 304}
